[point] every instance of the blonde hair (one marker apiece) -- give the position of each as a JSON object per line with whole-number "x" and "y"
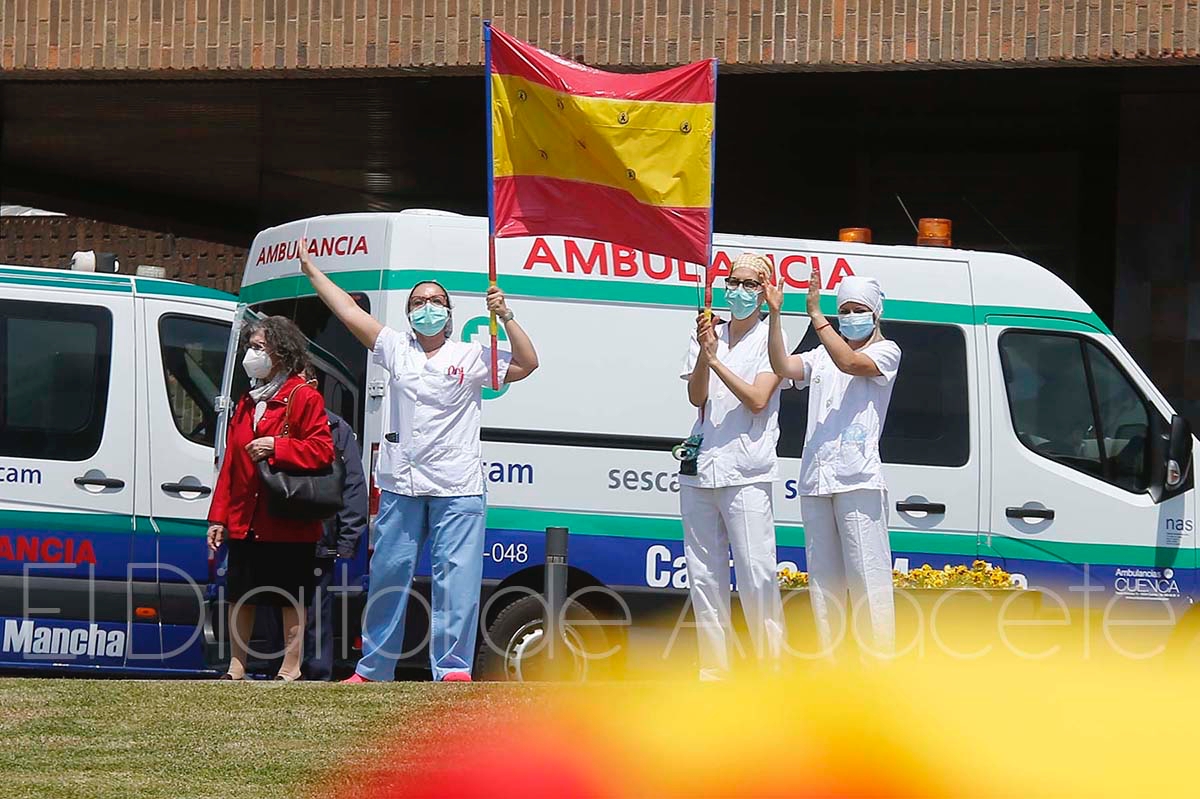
{"x": 752, "y": 260}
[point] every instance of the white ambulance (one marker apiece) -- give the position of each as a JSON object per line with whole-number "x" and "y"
{"x": 108, "y": 385}
{"x": 1020, "y": 430}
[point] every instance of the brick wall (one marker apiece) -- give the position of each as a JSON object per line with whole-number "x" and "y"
{"x": 50, "y": 242}
{"x": 163, "y": 37}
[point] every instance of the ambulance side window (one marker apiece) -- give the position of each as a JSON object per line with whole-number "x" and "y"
{"x": 54, "y": 376}
{"x": 1125, "y": 423}
{"x": 1070, "y": 403}
{"x": 927, "y": 422}
{"x": 193, "y": 356}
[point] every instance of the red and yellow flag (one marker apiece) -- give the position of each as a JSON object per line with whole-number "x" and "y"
{"x": 614, "y": 157}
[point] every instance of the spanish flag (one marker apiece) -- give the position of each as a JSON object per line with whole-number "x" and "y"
{"x": 614, "y": 157}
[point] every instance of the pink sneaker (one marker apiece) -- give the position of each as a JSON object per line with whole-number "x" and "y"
{"x": 355, "y": 679}
{"x": 457, "y": 676}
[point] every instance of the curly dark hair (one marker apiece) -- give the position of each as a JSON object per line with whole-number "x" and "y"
{"x": 286, "y": 345}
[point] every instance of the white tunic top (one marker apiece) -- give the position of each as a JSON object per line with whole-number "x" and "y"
{"x": 433, "y": 409}
{"x": 738, "y": 446}
{"x": 845, "y": 419}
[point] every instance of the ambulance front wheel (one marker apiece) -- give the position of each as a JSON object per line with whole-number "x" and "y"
{"x": 516, "y": 648}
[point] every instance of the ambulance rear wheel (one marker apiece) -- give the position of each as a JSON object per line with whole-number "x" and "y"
{"x": 516, "y": 648}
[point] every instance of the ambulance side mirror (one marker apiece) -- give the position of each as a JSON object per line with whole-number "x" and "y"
{"x": 1173, "y": 475}
{"x": 1179, "y": 452}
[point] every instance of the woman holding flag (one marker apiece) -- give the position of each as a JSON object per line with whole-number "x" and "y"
{"x": 430, "y": 471}
{"x": 727, "y": 502}
{"x": 843, "y": 499}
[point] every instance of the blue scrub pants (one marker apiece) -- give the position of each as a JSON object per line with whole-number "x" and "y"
{"x": 456, "y": 527}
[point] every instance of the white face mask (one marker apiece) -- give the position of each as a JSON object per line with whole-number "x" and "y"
{"x": 257, "y": 364}
{"x": 856, "y": 326}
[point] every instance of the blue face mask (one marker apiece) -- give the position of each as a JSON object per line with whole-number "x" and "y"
{"x": 742, "y": 302}
{"x": 856, "y": 326}
{"x": 429, "y": 319}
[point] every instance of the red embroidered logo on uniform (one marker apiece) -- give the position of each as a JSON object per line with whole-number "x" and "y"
{"x": 457, "y": 371}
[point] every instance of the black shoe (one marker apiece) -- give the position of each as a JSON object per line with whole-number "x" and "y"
{"x": 230, "y": 677}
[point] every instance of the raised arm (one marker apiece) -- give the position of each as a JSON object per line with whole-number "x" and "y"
{"x": 361, "y": 324}
{"x": 844, "y": 356}
{"x": 698, "y": 379}
{"x": 524, "y": 356}
{"x": 782, "y": 363}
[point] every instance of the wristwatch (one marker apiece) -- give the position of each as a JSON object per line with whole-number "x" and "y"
{"x": 508, "y": 317}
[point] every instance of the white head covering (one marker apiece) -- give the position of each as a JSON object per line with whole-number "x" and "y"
{"x": 865, "y": 290}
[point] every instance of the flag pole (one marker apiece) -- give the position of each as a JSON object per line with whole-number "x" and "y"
{"x": 712, "y": 201}
{"x": 493, "y": 328}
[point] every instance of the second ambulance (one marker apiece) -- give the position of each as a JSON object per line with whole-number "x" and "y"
{"x": 1021, "y": 431}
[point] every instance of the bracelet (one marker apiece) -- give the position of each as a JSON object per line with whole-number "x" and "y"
{"x": 508, "y": 317}
{"x": 822, "y": 327}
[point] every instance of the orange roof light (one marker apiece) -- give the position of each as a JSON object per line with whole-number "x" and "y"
{"x": 859, "y": 234}
{"x": 933, "y": 233}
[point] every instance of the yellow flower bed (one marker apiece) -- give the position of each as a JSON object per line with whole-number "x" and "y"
{"x": 979, "y": 574}
{"x": 792, "y": 579}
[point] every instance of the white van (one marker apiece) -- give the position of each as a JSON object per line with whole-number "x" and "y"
{"x": 1020, "y": 430}
{"x": 107, "y": 425}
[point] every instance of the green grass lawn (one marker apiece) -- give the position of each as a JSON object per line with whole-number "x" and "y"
{"x": 123, "y": 738}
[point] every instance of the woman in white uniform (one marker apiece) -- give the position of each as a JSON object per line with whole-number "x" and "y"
{"x": 430, "y": 471}
{"x": 727, "y": 503}
{"x": 843, "y": 499}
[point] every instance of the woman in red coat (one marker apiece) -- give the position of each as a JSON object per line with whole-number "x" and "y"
{"x": 271, "y": 560}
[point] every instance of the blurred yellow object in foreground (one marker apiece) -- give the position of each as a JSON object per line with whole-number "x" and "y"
{"x": 940, "y": 728}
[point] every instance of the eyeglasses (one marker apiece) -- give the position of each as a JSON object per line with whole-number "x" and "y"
{"x": 732, "y": 284}
{"x": 419, "y": 302}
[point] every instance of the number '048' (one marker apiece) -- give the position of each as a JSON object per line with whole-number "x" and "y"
{"x": 515, "y": 553}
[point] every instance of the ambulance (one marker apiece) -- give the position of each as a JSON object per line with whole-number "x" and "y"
{"x": 1020, "y": 432}
{"x": 108, "y": 420}
{"x": 109, "y": 417}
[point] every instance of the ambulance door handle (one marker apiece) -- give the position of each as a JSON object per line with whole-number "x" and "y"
{"x": 185, "y": 488}
{"x": 1029, "y": 513}
{"x": 921, "y": 507}
{"x": 100, "y": 482}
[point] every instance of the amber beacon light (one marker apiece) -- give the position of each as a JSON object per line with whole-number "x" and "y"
{"x": 859, "y": 234}
{"x": 933, "y": 233}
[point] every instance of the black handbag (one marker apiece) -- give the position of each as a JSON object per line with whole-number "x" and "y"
{"x": 303, "y": 494}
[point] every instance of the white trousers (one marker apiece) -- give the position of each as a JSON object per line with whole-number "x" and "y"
{"x": 714, "y": 521}
{"x": 846, "y": 544}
